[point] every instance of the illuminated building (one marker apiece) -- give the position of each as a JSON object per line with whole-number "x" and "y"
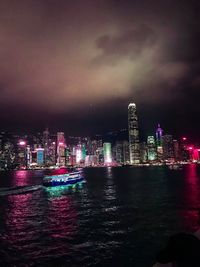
{"x": 133, "y": 134}
{"x": 33, "y": 158}
{"x": 83, "y": 152}
{"x": 28, "y": 155}
{"x": 184, "y": 152}
{"x": 88, "y": 146}
{"x": 46, "y": 144}
{"x": 126, "y": 153}
{"x": 159, "y": 146}
{"x": 195, "y": 154}
{"x": 100, "y": 155}
{"x": 22, "y": 155}
{"x": 143, "y": 152}
{"x": 40, "y": 156}
{"x": 159, "y": 134}
{"x": 61, "y": 149}
{"x": 119, "y": 152}
{"x": 78, "y": 154}
{"x": 151, "y": 148}
{"x": 94, "y": 147}
{"x": 51, "y": 154}
{"x": 91, "y": 160}
{"x": 68, "y": 156}
{"x": 107, "y": 153}
{"x": 168, "y": 148}
{"x": 7, "y": 156}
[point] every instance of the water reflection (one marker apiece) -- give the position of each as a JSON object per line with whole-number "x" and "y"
{"x": 58, "y": 191}
{"x": 121, "y": 217}
{"x": 191, "y": 198}
{"x": 18, "y": 212}
{"x": 20, "y": 231}
{"x": 21, "y": 177}
{"x": 110, "y": 187}
{"x": 62, "y": 217}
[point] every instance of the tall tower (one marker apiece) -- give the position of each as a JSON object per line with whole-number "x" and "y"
{"x": 159, "y": 142}
{"x": 134, "y": 145}
{"x": 159, "y": 134}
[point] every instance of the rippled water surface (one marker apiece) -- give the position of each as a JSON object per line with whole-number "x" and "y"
{"x": 119, "y": 217}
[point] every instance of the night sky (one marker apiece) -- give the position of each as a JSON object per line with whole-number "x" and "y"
{"x": 75, "y": 65}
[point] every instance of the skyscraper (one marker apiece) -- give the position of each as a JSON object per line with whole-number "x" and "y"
{"x": 151, "y": 148}
{"x": 168, "y": 148}
{"x": 107, "y": 153}
{"x": 61, "y": 149}
{"x": 159, "y": 142}
{"x": 159, "y": 134}
{"x": 134, "y": 145}
{"x": 46, "y": 141}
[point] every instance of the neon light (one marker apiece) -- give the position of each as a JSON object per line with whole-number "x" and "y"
{"x": 184, "y": 138}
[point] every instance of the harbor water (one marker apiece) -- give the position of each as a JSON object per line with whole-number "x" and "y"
{"x": 119, "y": 217}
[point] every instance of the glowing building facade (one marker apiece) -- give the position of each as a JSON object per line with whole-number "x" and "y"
{"x": 22, "y": 159}
{"x": 78, "y": 154}
{"x": 107, "y": 153}
{"x": 61, "y": 149}
{"x": 159, "y": 143}
{"x": 134, "y": 145}
{"x": 151, "y": 148}
{"x": 40, "y": 156}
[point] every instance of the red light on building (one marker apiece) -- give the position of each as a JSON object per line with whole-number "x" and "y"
{"x": 184, "y": 138}
{"x": 190, "y": 148}
{"x": 195, "y": 155}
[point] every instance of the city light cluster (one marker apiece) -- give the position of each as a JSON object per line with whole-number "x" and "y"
{"x": 45, "y": 150}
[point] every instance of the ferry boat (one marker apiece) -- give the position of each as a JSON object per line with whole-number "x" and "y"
{"x": 63, "y": 179}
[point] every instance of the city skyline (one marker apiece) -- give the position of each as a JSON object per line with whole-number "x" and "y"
{"x": 47, "y": 150}
{"x": 66, "y": 64}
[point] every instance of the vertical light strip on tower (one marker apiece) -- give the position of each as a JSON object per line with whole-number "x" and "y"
{"x": 134, "y": 144}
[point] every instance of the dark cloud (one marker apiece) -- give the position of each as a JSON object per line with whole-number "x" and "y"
{"x": 129, "y": 43}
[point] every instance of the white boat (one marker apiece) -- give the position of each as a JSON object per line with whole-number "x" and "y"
{"x": 63, "y": 179}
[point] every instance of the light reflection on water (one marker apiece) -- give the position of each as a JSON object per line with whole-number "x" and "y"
{"x": 120, "y": 217}
{"x": 191, "y": 198}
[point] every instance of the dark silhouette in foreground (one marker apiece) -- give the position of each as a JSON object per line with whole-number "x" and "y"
{"x": 182, "y": 250}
